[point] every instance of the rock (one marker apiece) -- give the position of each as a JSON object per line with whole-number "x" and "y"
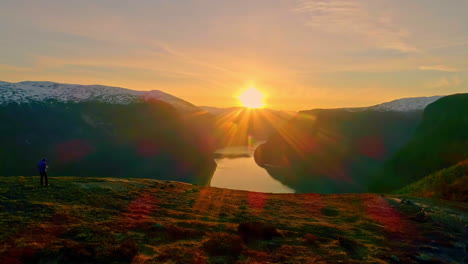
{"x": 406, "y": 201}
{"x": 429, "y": 248}
{"x": 458, "y": 245}
{"x": 427, "y": 209}
{"x": 421, "y": 217}
{"x": 423, "y": 258}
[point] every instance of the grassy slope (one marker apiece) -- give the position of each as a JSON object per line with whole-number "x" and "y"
{"x": 449, "y": 184}
{"x": 147, "y": 221}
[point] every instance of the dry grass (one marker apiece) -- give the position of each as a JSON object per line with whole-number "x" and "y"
{"x": 146, "y": 221}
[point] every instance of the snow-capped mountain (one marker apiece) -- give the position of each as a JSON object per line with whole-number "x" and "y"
{"x": 25, "y": 92}
{"x": 406, "y": 104}
{"x": 400, "y": 105}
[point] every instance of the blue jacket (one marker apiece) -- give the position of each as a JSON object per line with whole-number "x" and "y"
{"x": 42, "y": 165}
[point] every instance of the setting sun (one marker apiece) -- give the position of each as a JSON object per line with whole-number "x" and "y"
{"x": 252, "y": 98}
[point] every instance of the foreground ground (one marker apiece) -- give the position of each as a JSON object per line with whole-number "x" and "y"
{"x": 91, "y": 220}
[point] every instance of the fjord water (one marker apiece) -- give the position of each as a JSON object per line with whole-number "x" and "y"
{"x": 238, "y": 170}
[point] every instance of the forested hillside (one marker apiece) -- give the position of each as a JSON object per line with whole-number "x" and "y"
{"x": 335, "y": 150}
{"x": 440, "y": 141}
{"x": 143, "y": 139}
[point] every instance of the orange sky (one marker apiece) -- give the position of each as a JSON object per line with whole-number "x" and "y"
{"x": 302, "y": 54}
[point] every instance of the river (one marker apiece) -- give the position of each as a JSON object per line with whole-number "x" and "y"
{"x": 240, "y": 172}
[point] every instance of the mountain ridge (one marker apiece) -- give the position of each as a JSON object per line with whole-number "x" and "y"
{"x": 406, "y": 104}
{"x": 36, "y": 91}
{"x": 27, "y": 91}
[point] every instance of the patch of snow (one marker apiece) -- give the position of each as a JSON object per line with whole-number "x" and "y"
{"x": 400, "y": 105}
{"x": 27, "y": 92}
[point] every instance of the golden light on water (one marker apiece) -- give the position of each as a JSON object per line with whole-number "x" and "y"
{"x": 252, "y": 98}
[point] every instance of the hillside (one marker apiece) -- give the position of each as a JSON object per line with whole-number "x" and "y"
{"x": 440, "y": 141}
{"x": 335, "y": 150}
{"x": 147, "y": 139}
{"x": 105, "y": 220}
{"x": 448, "y": 184}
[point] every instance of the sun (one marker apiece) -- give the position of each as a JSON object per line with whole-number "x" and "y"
{"x": 252, "y": 98}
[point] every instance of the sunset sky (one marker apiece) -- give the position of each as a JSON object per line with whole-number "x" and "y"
{"x": 302, "y": 54}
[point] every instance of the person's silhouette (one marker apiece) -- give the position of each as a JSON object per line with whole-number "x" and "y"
{"x": 42, "y": 167}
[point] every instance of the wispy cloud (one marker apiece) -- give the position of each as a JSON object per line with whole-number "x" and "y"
{"x": 6, "y": 67}
{"x": 442, "y": 68}
{"x": 446, "y": 82}
{"x": 353, "y": 17}
{"x": 450, "y": 43}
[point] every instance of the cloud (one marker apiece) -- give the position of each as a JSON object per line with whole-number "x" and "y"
{"x": 6, "y": 67}
{"x": 446, "y": 82}
{"x": 450, "y": 43}
{"x": 352, "y": 17}
{"x": 442, "y": 68}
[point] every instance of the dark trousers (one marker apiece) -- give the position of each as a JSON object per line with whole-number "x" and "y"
{"x": 44, "y": 176}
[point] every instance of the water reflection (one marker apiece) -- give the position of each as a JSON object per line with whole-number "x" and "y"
{"x": 237, "y": 170}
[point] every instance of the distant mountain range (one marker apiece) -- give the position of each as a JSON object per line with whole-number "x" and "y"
{"x": 94, "y": 130}
{"x": 34, "y": 91}
{"x": 27, "y": 92}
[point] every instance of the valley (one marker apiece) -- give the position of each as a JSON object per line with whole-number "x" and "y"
{"x": 233, "y": 132}
{"x": 131, "y": 173}
{"x": 101, "y": 131}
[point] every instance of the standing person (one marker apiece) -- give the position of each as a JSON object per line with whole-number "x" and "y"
{"x": 42, "y": 167}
